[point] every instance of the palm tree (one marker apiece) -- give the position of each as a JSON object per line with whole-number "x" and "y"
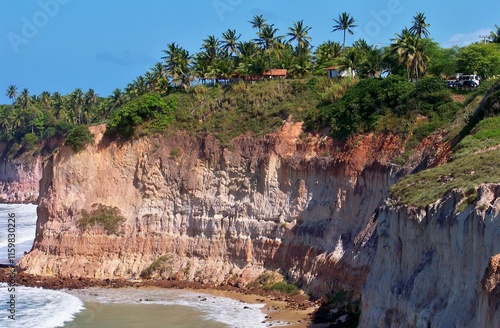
{"x": 90, "y": 100}
{"x": 420, "y": 58}
{"x": 298, "y": 32}
{"x": 45, "y": 100}
{"x": 247, "y": 50}
{"x": 249, "y": 63}
{"x": 268, "y": 41}
{"x": 150, "y": 81}
{"x": 177, "y": 62}
{"x": 116, "y": 100}
{"x": 77, "y": 100}
{"x": 24, "y": 99}
{"x": 258, "y": 22}
{"x": 420, "y": 26}
{"x": 301, "y": 67}
{"x": 117, "y": 97}
{"x": 159, "y": 73}
{"x": 58, "y": 105}
{"x": 372, "y": 65}
{"x": 402, "y": 47}
{"x": 200, "y": 67}
{"x": 10, "y": 121}
{"x": 140, "y": 85}
{"x": 344, "y": 23}
{"x": 326, "y": 53}
{"x": 349, "y": 61}
{"x": 171, "y": 58}
{"x": 362, "y": 45}
{"x": 230, "y": 42}
{"x": 411, "y": 51}
{"x": 211, "y": 48}
{"x": 11, "y": 93}
{"x": 5, "y": 122}
{"x": 495, "y": 36}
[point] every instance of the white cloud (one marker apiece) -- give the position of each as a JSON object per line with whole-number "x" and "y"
{"x": 461, "y": 40}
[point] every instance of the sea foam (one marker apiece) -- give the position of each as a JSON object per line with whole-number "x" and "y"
{"x": 25, "y": 228}
{"x": 38, "y": 308}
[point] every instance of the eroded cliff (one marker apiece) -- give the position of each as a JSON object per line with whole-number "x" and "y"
{"x": 277, "y": 202}
{"x": 19, "y": 178}
{"x": 436, "y": 267}
{"x": 310, "y": 208}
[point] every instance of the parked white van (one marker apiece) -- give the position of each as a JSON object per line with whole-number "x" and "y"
{"x": 468, "y": 80}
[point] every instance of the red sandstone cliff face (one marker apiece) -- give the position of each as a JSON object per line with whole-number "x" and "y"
{"x": 220, "y": 215}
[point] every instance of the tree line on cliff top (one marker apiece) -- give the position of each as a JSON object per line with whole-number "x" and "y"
{"x": 411, "y": 55}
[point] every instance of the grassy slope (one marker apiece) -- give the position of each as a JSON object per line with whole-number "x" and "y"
{"x": 227, "y": 112}
{"x": 475, "y": 161}
{"x": 260, "y": 108}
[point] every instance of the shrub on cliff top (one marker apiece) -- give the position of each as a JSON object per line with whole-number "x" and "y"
{"x": 139, "y": 110}
{"x": 376, "y": 104}
{"x": 110, "y": 218}
{"x": 79, "y": 137}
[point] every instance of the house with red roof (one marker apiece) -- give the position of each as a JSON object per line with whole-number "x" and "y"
{"x": 275, "y": 73}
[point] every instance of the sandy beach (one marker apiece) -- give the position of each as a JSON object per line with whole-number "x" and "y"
{"x": 278, "y": 312}
{"x": 280, "y": 309}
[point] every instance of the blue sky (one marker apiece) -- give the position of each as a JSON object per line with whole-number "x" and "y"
{"x": 60, "y": 45}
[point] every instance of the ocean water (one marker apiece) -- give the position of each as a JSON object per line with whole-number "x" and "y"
{"x": 25, "y": 220}
{"x": 155, "y": 307}
{"x": 111, "y": 308}
{"x": 38, "y": 308}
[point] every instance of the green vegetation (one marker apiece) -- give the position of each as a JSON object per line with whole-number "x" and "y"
{"x": 259, "y": 108}
{"x": 109, "y": 218}
{"x": 344, "y": 23}
{"x": 392, "y": 104}
{"x": 30, "y": 139}
{"x": 159, "y": 266}
{"x": 428, "y": 186}
{"x": 475, "y": 162}
{"x": 486, "y": 134}
{"x": 79, "y": 137}
{"x": 481, "y": 58}
{"x": 284, "y": 287}
{"x": 143, "y": 108}
{"x": 272, "y": 281}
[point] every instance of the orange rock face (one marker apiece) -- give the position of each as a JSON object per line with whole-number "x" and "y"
{"x": 304, "y": 207}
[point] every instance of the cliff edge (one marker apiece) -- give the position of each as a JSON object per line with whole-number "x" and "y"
{"x": 436, "y": 267}
{"x": 214, "y": 214}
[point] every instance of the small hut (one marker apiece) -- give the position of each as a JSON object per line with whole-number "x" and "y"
{"x": 275, "y": 73}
